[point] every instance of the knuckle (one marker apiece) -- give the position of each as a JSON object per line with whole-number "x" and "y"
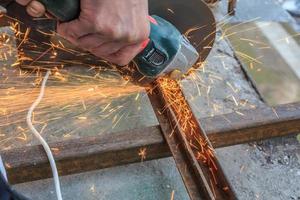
{"x": 134, "y": 37}
{"x": 120, "y": 32}
{"x": 95, "y": 22}
{"x": 108, "y": 30}
{"x": 146, "y": 31}
{"x": 142, "y": 36}
{"x": 114, "y": 33}
{"x": 129, "y": 37}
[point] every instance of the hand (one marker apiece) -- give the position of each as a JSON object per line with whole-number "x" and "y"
{"x": 111, "y": 29}
{"x": 34, "y": 8}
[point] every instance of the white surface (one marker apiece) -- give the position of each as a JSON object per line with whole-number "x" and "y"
{"x": 282, "y": 41}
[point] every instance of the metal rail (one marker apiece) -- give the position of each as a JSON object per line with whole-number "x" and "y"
{"x": 231, "y": 6}
{"x": 203, "y": 180}
{"x": 84, "y": 154}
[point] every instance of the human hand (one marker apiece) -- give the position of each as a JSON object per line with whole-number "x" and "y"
{"x": 114, "y": 30}
{"x": 34, "y": 8}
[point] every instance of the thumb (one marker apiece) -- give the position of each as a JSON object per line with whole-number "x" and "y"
{"x": 124, "y": 55}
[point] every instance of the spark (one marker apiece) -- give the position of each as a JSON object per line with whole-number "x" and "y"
{"x": 55, "y": 150}
{"x": 171, "y": 11}
{"x": 242, "y": 168}
{"x": 185, "y": 121}
{"x": 15, "y": 100}
{"x": 68, "y": 135}
{"x": 69, "y": 92}
{"x": 7, "y": 165}
{"x": 254, "y": 41}
{"x": 275, "y": 112}
{"x": 234, "y": 100}
{"x": 137, "y": 96}
{"x": 92, "y": 188}
{"x": 22, "y": 137}
{"x": 142, "y": 153}
{"x": 239, "y": 113}
{"x": 83, "y": 105}
{"x": 82, "y": 118}
{"x": 172, "y": 195}
{"x": 248, "y": 57}
{"x": 231, "y": 87}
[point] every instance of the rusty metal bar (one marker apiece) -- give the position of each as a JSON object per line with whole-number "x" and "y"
{"x": 232, "y": 7}
{"x": 84, "y": 154}
{"x": 211, "y": 1}
{"x": 250, "y": 125}
{"x": 179, "y": 154}
{"x": 202, "y": 181}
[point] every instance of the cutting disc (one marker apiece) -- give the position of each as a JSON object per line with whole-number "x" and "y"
{"x": 189, "y": 15}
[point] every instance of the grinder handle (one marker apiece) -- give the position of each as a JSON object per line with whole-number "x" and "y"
{"x": 63, "y": 10}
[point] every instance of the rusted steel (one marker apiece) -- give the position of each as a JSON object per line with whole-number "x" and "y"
{"x": 91, "y": 153}
{"x": 232, "y": 7}
{"x": 211, "y": 1}
{"x": 183, "y": 163}
{"x": 250, "y": 125}
{"x": 30, "y": 163}
{"x": 203, "y": 180}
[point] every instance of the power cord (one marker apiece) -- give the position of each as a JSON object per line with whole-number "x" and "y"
{"x": 42, "y": 140}
{"x": 2, "y": 169}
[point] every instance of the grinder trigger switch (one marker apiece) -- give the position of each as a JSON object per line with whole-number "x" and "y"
{"x": 155, "y": 57}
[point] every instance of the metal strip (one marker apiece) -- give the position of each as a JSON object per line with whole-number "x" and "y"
{"x": 202, "y": 180}
{"x": 231, "y": 7}
{"x": 84, "y": 154}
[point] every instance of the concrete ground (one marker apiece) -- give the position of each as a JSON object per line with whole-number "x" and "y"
{"x": 296, "y": 18}
{"x": 264, "y": 170}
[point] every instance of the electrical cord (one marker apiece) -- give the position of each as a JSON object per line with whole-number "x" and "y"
{"x": 2, "y": 169}
{"x": 42, "y": 140}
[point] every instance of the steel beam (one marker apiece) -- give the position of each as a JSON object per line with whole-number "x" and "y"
{"x": 203, "y": 180}
{"x": 30, "y": 163}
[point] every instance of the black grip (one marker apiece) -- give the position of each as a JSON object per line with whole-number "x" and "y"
{"x": 63, "y": 10}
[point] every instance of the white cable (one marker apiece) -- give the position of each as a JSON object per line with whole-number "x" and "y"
{"x": 41, "y": 139}
{"x": 2, "y": 169}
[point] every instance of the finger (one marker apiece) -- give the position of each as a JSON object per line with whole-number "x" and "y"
{"x": 90, "y": 41}
{"x": 23, "y": 2}
{"x": 35, "y": 9}
{"x": 124, "y": 55}
{"x": 75, "y": 29}
{"x": 108, "y": 48}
